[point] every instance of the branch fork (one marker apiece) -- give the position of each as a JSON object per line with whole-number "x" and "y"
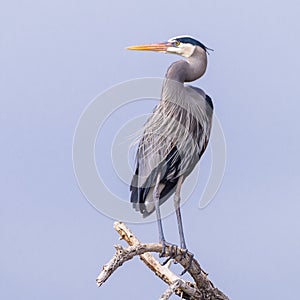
{"x": 202, "y": 288}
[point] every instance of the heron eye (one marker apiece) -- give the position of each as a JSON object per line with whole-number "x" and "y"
{"x": 176, "y": 43}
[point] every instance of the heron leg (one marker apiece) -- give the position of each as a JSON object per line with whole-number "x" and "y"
{"x": 156, "y": 195}
{"x": 178, "y": 213}
{"x": 180, "y": 227}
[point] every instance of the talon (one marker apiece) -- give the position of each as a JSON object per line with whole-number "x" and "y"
{"x": 166, "y": 261}
{"x": 190, "y": 261}
{"x": 184, "y": 253}
{"x": 173, "y": 253}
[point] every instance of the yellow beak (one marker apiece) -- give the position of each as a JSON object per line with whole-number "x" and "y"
{"x": 161, "y": 47}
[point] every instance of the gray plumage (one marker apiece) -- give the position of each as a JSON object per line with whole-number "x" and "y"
{"x": 176, "y": 134}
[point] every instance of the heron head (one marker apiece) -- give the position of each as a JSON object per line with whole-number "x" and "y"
{"x": 183, "y": 45}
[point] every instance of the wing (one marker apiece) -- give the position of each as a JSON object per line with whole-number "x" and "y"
{"x": 148, "y": 165}
{"x": 174, "y": 138}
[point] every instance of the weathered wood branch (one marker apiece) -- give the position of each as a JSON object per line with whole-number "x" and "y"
{"x": 201, "y": 289}
{"x": 180, "y": 287}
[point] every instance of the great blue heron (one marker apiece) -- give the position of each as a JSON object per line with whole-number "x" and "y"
{"x": 176, "y": 135}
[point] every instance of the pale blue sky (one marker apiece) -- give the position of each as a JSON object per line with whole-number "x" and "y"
{"x": 56, "y": 56}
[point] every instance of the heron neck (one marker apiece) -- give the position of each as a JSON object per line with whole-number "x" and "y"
{"x": 188, "y": 70}
{"x": 197, "y": 65}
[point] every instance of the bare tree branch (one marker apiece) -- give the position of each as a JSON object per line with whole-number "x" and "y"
{"x": 179, "y": 287}
{"x": 202, "y": 289}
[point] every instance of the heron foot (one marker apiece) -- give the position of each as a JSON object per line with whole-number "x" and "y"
{"x": 173, "y": 253}
{"x": 163, "y": 248}
{"x": 185, "y": 252}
